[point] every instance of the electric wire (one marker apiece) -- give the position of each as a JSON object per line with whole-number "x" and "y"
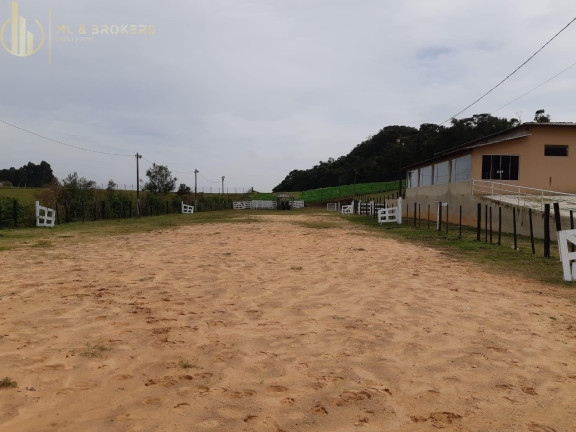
{"x": 62, "y": 142}
{"x": 535, "y": 88}
{"x": 509, "y": 75}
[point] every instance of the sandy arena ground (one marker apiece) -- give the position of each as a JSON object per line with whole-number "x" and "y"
{"x": 276, "y": 326}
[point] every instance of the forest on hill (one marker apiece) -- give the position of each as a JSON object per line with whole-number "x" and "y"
{"x": 379, "y": 157}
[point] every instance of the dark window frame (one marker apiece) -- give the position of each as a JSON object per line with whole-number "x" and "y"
{"x": 500, "y": 167}
{"x": 555, "y": 150}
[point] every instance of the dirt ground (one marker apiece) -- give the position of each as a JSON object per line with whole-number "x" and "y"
{"x": 277, "y": 325}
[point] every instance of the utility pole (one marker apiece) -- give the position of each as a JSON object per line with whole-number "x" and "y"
{"x": 138, "y": 184}
{"x": 400, "y": 168}
{"x": 196, "y": 189}
{"x": 222, "y": 185}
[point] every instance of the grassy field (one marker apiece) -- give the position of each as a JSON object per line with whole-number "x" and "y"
{"x": 24, "y": 195}
{"x": 501, "y": 259}
{"x": 336, "y": 192}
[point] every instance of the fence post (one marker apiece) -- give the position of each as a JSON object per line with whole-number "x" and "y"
{"x": 499, "y": 226}
{"x": 419, "y": 216}
{"x": 428, "y": 223}
{"x": 557, "y": 217}
{"x": 514, "y": 223}
{"x": 439, "y": 221}
{"x": 479, "y": 222}
{"x": 546, "y": 230}
{"x": 15, "y": 214}
{"x": 447, "y": 218}
{"x": 490, "y": 224}
{"x": 415, "y": 207}
{"x": 531, "y": 231}
{"x": 486, "y": 223}
{"x": 460, "y": 224}
{"x": 572, "y": 227}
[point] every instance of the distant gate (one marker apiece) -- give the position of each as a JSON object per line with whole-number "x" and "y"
{"x": 45, "y": 217}
{"x": 187, "y": 209}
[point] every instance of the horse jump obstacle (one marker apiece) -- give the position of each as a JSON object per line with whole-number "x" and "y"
{"x": 568, "y": 258}
{"x": 347, "y": 209}
{"x": 263, "y": 205}
{"x": 333, "y": 207}
{"x": 45, "y": 217}
{"x": 187, "y": 209}
{"x": 391, "y": 214}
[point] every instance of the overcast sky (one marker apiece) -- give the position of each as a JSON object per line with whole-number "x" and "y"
{"x": 252, "y": 89}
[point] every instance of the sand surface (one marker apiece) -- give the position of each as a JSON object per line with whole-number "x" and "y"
{"x": 277, "y": 326}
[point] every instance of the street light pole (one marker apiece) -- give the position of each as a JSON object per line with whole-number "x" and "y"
{"x": 223, "y": 185}
{"x": 400, "y": 168}
{"x": 138, "y": 184}
{"x": 196, "y": 189}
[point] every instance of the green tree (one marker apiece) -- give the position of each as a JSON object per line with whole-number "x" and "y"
{"x": 378, "y": 158}
{"x": 183, "y": 189}
{"x": 541, "y": 117}
{"x": 160, "y": 179}
{"x": 77, "y": 189}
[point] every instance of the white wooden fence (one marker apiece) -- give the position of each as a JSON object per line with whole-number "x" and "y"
{"x": 391, "y": 214}
{"x": 263, "y": 205}
{"x": 568, "y": 259}
{"x": 187, "y": 209}
{"x": 45, "y": 217}
{"x": 333, "y": 207}
{"x": 347, "y": 209}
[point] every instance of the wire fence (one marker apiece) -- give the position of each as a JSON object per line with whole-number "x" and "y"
{"x": 17, "y": 214}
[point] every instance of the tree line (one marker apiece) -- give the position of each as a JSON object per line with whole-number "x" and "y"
{"x": 29, "y": 175}
{"x": 380, "y": 157}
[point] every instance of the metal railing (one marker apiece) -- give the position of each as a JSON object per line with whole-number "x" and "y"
{"x": 521, "y": 195}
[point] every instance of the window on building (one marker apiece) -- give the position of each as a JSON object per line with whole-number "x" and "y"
{"x": 412, "y": 179}
{"x": 426, "y": 176}
{"x": 461, "y": 169}
{"x": 442, "y": 173}
{"x": 555, "y": 150}
{"x": 500, "y": 167}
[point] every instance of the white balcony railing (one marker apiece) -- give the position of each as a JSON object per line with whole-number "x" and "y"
{"x": 521, "y": 195}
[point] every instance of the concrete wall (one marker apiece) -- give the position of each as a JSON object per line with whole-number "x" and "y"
{"x": 460, "y": 194}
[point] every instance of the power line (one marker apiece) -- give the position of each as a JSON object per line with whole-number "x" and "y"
{"x": 509, "y": 75}
{"x": 536, "y": 88}
{"x": 208, "y": 180}
{"x": 62, "y": 142}
{"x": 501, "y": 82}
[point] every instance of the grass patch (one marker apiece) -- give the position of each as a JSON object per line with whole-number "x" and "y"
{"x": 83, "y": 231}
{"x": 316, "y": 225}
{"x": 186, "y": 364}
{"x": 497, "y": 259}
{"x": 94, "y": 351}
{"x": 43, "y": 244}
{"x": 297, "y": 268}
{"x": 24, "y": 195}
{"x": 8, "y": 383}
